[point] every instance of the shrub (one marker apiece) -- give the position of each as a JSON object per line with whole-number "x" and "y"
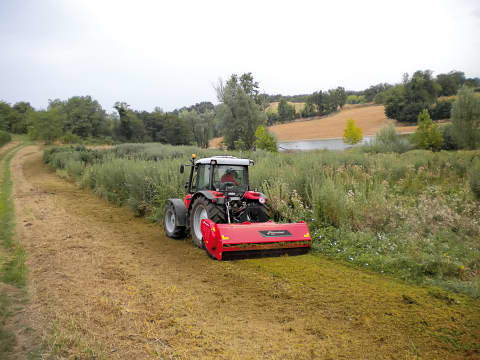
{"x": 388, "y": 140}
{"x": 70, "y": 138}
{"x": 427, "y": 135}
{"x": 265, "y": 140}
{"x": 449, "y": 140}
{"x": 4, "y": 138}
{"x": 352, "y": 133}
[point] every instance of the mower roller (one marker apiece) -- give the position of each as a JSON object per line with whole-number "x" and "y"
{"x": 225, "y": 217}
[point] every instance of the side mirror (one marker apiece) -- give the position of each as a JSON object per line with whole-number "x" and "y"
{"x": 182, "y": 169}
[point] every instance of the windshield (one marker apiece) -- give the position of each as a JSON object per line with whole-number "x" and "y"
{"x": 233, "y": 176}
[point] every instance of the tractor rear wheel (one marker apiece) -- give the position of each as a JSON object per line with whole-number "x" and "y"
{"x": 172, "y": 229}
{"x": 204, "y": 209}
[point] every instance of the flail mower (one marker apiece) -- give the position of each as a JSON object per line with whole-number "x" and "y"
{"x": 225, "y": 217}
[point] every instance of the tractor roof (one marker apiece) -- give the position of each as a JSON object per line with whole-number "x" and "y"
{"x": 225, "y": 160}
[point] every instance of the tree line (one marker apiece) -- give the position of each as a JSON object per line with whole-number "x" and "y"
{"x": 241, "y": 111}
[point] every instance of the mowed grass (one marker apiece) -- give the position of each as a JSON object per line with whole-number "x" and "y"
{"x": 413, "y": 215}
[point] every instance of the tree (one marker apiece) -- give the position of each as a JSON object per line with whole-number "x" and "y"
{"x": 352, "y": 134}
{"x": 5, "y": 111}
{"x": 84, "y": 116}
{"x": 238, "y": 112}
{"x": 466, "y": 118}
{"x": 417, "y": 93}
{"x": 451, "y": 82}
{"x": 46, "y": 125}
{"x": 200, "y": 125}
{"x": 265, "y": 140}
{"x": 308, "y": 110}
{"x": 427, "y": 136}
{"x": 286, "y": 111}
{"x": 130, "y": 127}
{"x": 18, "y": 117}
{"x": 354, "y": 99}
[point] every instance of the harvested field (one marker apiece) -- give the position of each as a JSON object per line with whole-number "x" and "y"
{"x": 104, "y": 284}
{"x": 369, "y": 118}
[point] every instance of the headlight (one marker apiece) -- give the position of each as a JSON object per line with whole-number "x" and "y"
{"x": 262, "y": 200}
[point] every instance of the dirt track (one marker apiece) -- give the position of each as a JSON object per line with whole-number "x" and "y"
{"x": 103, "y": 282}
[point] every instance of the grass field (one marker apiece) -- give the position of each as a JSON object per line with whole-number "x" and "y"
{"x": 411, "y": 215}
{"x": 132, "y": 293}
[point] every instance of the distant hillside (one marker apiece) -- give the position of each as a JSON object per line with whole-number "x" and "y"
{"x": 370, "y": 118}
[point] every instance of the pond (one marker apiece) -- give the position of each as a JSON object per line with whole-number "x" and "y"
{"x": 328, "y": 144}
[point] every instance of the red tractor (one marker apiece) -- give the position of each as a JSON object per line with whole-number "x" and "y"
{"x": 224, "y": 216}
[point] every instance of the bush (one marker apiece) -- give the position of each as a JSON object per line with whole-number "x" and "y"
{"x": 70, "y": 138}
{"x": 4, "y": 138}
{"x": 265, "y": 140}
{"x": 449, "y": 141}
{"x": 387, "y": 140}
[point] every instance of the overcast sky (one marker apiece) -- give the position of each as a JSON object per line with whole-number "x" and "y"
{"x": 169, "y": 53}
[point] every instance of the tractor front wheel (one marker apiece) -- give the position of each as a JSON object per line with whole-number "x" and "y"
{"x": 204, "y": 209}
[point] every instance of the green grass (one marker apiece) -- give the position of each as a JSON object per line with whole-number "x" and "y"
{"x": 413, "y": 215}
{"x": 12, "y": 270}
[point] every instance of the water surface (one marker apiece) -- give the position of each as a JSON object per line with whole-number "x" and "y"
{"x": 328, "y": 144}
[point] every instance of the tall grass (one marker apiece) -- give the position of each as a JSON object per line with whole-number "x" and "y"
{"x": 413, "y": 215}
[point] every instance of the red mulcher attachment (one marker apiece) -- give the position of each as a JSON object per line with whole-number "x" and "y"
{"x": 223, "y": 239}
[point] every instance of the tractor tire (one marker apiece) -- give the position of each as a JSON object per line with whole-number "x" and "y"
{"x": 204, "y": 209}
{"x": 172, "y": 229}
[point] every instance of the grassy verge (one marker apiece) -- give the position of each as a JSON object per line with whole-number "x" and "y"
{"x": 412, "y": 215}
{"x": 12, "y": 268}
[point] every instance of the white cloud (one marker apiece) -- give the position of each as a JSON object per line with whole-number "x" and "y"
{"x": 151, "y": 53}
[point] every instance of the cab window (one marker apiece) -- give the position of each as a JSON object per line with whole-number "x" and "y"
{"x": 203, "y": 177}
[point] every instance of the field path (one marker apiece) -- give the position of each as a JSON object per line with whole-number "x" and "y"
{"x": 104, "y": 284}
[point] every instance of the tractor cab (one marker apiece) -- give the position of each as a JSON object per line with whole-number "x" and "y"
{"x": 225, "y": 174}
